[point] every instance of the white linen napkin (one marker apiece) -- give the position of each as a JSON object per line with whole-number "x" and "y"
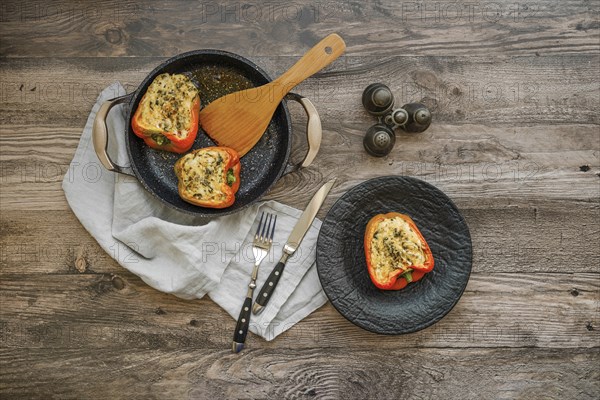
{"x": 185, "y": 255}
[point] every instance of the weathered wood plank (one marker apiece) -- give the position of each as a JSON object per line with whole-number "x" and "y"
{"x": 495, "y": 169}
{"x": 489, "y": 152}
{"x": 538, "y": 236}
{"x": 295, "y": 374}
{"x": 483, "y": 91}
{"x": 496, "y": 310}
{"x": 126, "y": 28}
{"x": 515, "y": 143}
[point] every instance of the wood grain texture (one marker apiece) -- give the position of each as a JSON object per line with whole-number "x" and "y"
{"x": 539, "y": 237}
{"x": 127, "y": 28}
{"x": 515, "y": 142}
{"x": 541, "y": 127}
{"x": 297, "y": 374}
{"x": 512, "y": 93}
{"x": 48, "y": 317}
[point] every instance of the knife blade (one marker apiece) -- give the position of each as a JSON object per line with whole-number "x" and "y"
{"x": 292, "y": 244}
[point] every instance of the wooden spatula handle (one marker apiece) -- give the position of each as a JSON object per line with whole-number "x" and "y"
{"x": 317, "y": 58}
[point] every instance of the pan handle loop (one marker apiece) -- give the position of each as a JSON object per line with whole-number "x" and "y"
{"x": 314, "y": 132}
{"x": 100, "y": 135}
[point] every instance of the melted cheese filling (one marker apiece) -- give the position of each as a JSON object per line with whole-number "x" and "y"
{"x": 203, "y": 175}
{"x": 167, "y": 104}
{"x": 395, "y": 246}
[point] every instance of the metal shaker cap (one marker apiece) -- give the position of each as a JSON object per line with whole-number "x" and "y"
{"x": 377, "y": 99}
{"x": 379, "y": 140}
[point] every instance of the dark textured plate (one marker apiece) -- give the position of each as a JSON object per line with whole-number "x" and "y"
{"x": 341, "y": 256}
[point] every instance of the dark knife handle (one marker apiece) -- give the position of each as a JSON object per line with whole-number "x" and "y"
{"x": 268, "y": 288}
{"x": 241, "y": 328}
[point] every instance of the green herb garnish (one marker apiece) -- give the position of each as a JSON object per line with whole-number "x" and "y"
{"x": 160, "y": 140}
{"x": 230, "y": 177}
{"x": 408, "y": 276}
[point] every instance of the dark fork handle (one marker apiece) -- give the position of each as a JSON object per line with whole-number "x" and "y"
{"x": 241, "y": 328}
{"x": 268, "y": 288}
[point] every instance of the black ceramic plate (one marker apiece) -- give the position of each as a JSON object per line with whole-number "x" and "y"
{"x": 341, "y": 256}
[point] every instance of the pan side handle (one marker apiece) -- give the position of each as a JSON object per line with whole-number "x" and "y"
{"x": 100, "y": 135}
{"x": 314, "y": 132}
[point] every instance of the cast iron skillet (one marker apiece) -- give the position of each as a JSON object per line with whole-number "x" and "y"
{"x": 341, "y": 256}
{"x": 215, "y": 73}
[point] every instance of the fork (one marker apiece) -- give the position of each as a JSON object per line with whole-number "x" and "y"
{"x": 263, "y": 239}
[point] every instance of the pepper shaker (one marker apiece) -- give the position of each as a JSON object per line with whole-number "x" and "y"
{"x": 380, "y": 138}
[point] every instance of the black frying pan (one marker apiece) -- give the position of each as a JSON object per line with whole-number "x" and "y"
{"x": 215, "y": 73}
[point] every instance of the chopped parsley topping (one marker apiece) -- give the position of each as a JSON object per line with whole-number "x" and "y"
{"x": 230, "y": 177}
{"x": 160, "y": 139}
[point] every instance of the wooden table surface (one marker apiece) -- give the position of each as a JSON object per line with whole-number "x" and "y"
{"x": 515, "y": 142}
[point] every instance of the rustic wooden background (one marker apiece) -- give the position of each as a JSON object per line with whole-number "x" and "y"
{"x": 514, "y": 90}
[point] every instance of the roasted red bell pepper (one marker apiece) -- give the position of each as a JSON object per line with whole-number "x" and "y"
{"x": 400, "y": 275}
{"x": 167, "y": 115}
{"x": 233, "y": 170}
{"x": 163, "y": 140}
{"x": 190, "y": 174}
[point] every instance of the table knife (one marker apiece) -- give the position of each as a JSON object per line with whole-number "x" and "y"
{"x": 293, "y": 242}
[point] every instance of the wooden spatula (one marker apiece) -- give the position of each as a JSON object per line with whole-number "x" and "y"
{"x": 238, "y": 120}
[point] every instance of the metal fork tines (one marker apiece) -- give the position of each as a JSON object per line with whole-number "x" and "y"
{"x": 263, "y": 239}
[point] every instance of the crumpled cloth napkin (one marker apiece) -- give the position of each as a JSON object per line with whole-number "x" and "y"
{"x": 182, "y": 254}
